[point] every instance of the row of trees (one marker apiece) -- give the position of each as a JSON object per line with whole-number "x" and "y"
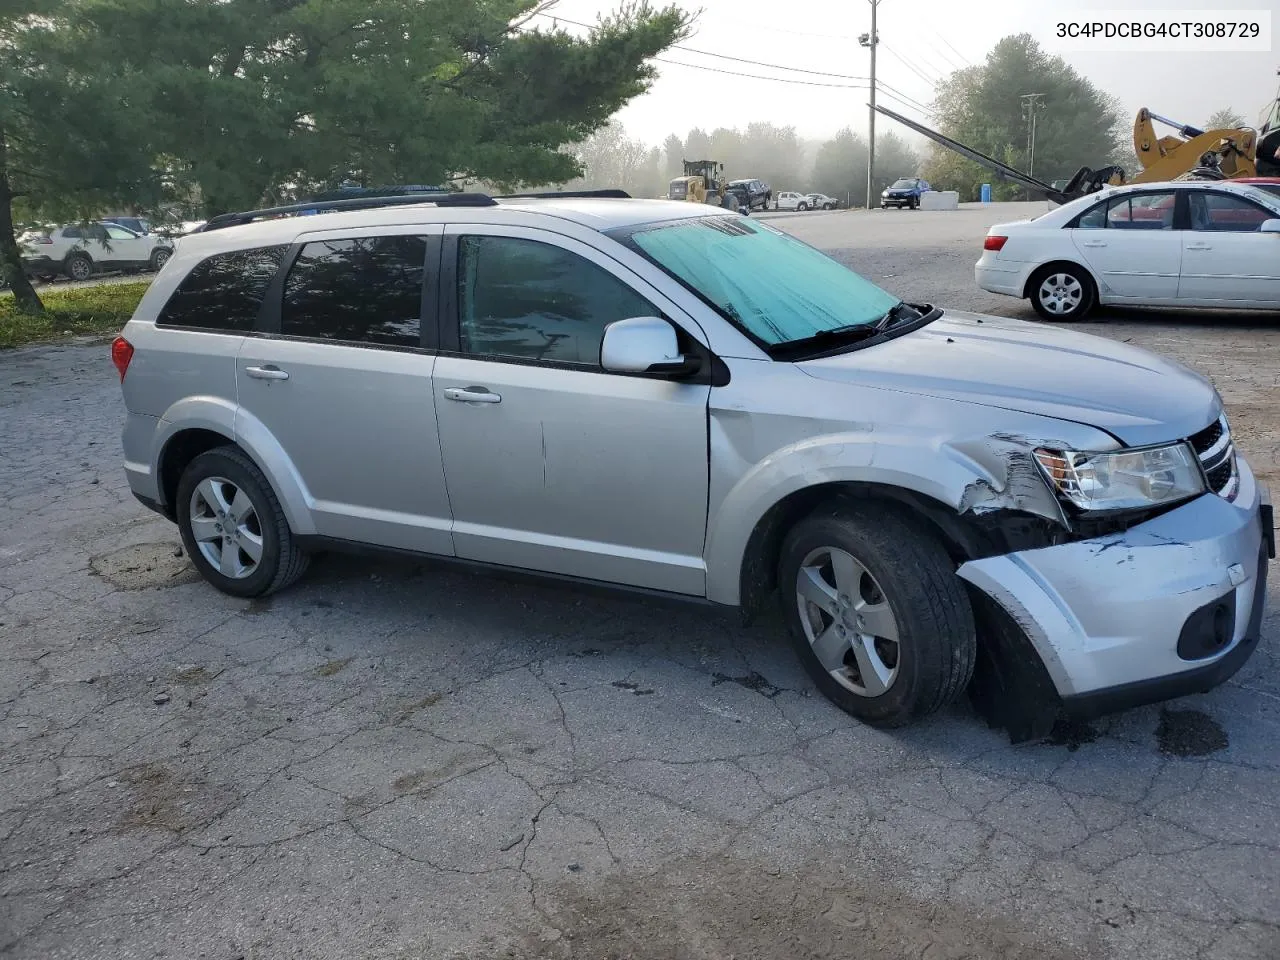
{"x": 230, "y": 104}
{"x": 837, "y": 167}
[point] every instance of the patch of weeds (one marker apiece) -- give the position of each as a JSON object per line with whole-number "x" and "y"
{"x": 333, "y": 666}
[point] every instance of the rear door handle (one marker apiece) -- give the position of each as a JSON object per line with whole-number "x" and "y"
{"x": 1199, "y": 246}
{"x": 1093, "y": 243}
{"x": 268, "y": 372}
{"x": 472, "y": 395}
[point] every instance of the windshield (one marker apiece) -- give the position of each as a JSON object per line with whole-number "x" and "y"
{"x": 902, "y": 184}
{"x": 774, "y": 287}
{"x": 1271, "y": 189}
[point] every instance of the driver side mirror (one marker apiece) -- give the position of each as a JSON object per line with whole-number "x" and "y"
{"x": 643, "y": 345}
{"x": 1269, "y": 226}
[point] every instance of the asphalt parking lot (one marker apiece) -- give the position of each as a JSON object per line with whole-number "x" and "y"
{"x": 394, "y": 760}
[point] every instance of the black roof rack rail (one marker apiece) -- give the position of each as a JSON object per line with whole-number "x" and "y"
{"x": 353, "y": 203}
{"x": 569, "y": 194}
{"x": 387, "y": 190}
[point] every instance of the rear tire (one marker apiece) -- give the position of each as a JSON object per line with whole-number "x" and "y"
{"x": 244, "y": 547}
{"x": 1062, "y": 293}
{"x": 802, "y": 206}
{"x": 874, "y": 572}
{"x": 159, "y": 258}
{"x": 79, "y": 267}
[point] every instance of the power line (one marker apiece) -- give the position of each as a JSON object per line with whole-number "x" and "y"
{"x": 771, "y": 66}
{"x": 756, "y": 76}
{"x": 723, "y": 56}
{"x": 908, "y": 64}
{"x": 967, "y": 61}
{"x": 910, "y": 106}
{"x": 903, "y": 98}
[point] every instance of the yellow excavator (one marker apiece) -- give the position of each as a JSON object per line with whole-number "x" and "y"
{"x": 1192, "y": 153}
{"x": 1188, "y": 154}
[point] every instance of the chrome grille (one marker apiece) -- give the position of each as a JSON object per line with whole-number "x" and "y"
{"x": 1217, "y": 453}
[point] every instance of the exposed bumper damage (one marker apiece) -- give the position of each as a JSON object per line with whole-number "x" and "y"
{"x": 1169, "y": 607}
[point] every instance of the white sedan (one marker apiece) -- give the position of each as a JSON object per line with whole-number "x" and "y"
{"x": 1186, "y": 244}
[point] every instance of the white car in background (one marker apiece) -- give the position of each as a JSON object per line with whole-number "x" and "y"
{"x": 1185, "y": 244}
{"x": 790, "y": 200}
{"x": 80, "y": 250}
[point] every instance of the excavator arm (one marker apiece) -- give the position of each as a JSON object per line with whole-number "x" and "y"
{"x": 1086, "y": 180}
{"x": 1232, "y": 152}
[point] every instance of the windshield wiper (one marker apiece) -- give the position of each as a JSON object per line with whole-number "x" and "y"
{"x": 825, "y": 339}
{"x": 828, "y": 340}
{"x": 898, "y": 313}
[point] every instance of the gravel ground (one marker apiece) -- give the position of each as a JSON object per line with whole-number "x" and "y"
{"x": 393, "y": 760}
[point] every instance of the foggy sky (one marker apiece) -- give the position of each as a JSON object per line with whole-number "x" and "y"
{"x": 934, "y": 37}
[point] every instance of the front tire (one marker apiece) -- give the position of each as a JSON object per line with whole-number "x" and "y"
{"x": 802, "y": 207}
{"x": 876, "y": 613}
{"x": 233, "y": 527}
{"x": 1062, "y": 293}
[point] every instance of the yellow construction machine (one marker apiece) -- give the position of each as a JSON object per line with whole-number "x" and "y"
{"x": 704, "y": 181}
{"x": 1192, "y": 153}
{"x": 1188, "y": 154}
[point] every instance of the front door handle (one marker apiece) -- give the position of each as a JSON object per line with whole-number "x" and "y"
{"x": 268, "y": 372}
{"x": 472, "y": 395}
{"x": 1199, "y": 246}
{"x": 1093, "y": 243}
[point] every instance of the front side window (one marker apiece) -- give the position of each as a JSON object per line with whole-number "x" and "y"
{"x": 223, "y": 292}
{"x": 366, "y": 290}
{"x": 771, "y": 285}
{"x": 119, "y": 233}
{"x": 529, "y": 300}
{"x": 1221, "y": 213}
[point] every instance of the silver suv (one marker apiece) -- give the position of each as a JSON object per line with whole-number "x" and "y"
{"x": 670, "y": 398}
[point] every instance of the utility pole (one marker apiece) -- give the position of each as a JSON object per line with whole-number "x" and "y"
{"x": 1031, "y": 102}
{"x": 870, "y": 40}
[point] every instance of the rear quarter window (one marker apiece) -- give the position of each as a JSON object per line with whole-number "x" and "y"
{"x": 223, "y": 292}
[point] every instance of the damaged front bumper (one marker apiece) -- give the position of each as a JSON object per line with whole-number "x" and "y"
{"x": 1169, "y": 607}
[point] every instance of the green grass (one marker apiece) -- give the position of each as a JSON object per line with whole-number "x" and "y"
{"x": 94, "y": 311}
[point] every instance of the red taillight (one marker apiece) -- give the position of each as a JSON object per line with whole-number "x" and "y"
{"x": 121, "y": 354}
{"x": 994, "y": 243}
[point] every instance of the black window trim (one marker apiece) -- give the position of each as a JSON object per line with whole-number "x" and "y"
{"x": 224, "y": 332}
{"x": 270, "y": 315}
{"x": 1181, "y": 214}
{"x": 712, "y": 370}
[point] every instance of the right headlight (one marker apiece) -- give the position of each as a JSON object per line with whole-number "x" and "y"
{"x": 1123, "y": 479}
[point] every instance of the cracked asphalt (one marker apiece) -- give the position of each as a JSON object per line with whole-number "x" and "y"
{"x": 397, "y": 760}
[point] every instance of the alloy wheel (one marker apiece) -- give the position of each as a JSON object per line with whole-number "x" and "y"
{"x": 848, "y": 622}
{"x": 226, "y": 527}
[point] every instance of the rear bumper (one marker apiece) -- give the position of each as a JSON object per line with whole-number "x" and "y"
{"x": 1109, "y": 616}
{"x": 41, "y": 265}
{"x": 994, "y": 276}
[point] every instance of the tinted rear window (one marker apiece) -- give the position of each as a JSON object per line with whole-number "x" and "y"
{"x": 223, "y": 292}
{"x": 366, "y": 290}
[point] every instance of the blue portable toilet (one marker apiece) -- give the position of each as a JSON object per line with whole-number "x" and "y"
{"x": 986, "y": 193}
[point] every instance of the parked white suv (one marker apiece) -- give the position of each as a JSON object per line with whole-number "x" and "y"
{"x": 790, "y": 200}
{"x": 677, "y": 399}
{"x": 79, "y": 251}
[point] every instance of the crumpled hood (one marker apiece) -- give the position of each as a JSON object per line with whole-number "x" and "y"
{"x": 1139, "y": 397}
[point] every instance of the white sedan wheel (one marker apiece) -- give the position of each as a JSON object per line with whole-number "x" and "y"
{"x": 1060, "y": 294}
